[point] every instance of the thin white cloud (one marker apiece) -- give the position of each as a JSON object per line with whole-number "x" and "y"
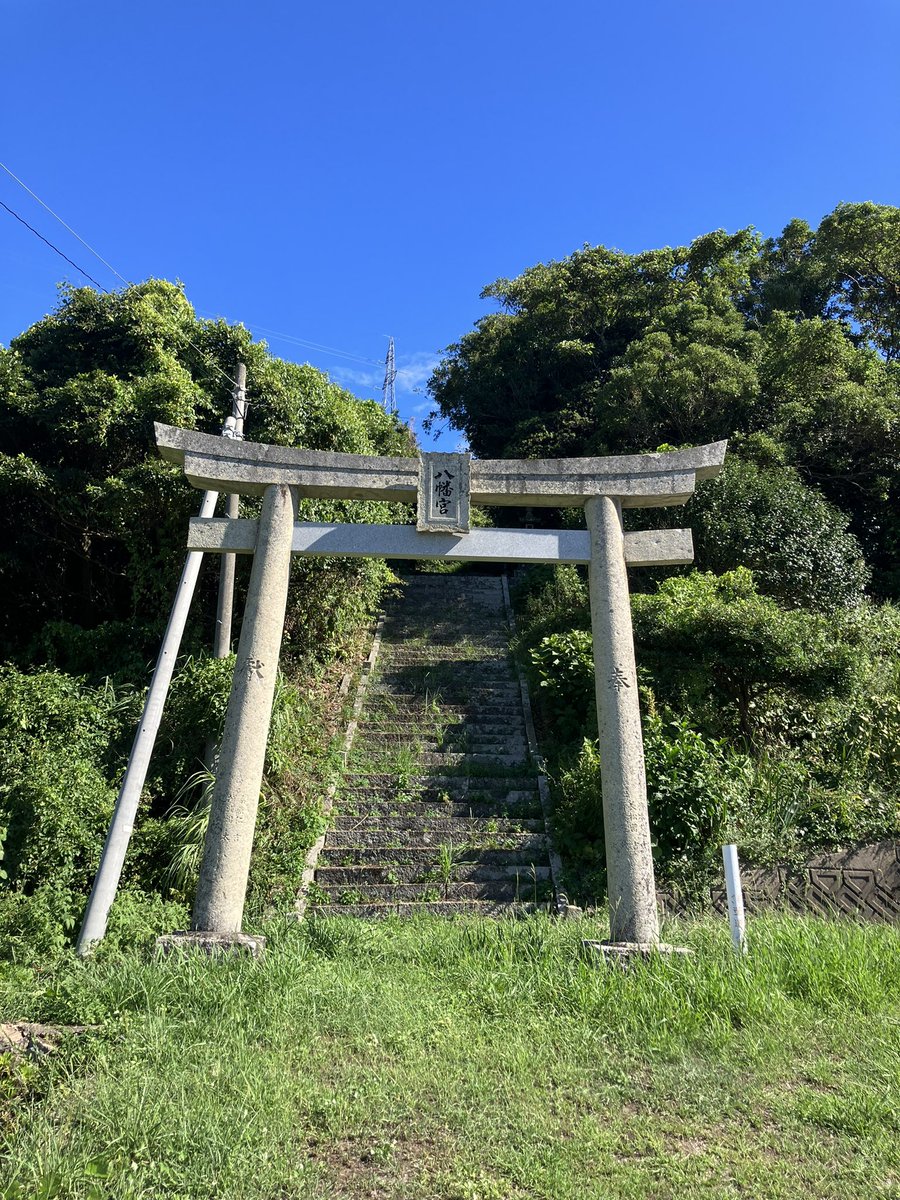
{"x": 357, "y": 379}
{"x": 414, "y": 370}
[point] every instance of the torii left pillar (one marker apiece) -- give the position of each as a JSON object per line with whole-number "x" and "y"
{"x": 219, "y": 905}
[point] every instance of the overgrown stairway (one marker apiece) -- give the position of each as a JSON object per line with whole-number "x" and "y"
{"x": 439, "y": 808}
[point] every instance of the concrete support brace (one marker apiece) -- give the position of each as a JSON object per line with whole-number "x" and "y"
{"x": 629, "y": 861}
{"x": 222, "y": 889}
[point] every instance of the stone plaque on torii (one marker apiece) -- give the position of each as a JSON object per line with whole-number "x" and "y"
{"x": 441, "y": 486}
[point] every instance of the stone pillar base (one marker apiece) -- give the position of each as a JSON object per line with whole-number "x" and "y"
{"x": 210, "y": 943}
{"x": 623, "y": 954}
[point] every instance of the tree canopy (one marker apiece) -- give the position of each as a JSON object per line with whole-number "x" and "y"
{"x": 792, "y": 341}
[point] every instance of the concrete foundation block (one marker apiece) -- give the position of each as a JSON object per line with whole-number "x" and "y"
{"x": 623, "y": 954}
{"x": 210, "y": 943}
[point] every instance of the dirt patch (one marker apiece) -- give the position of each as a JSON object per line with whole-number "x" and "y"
{"x": 27, "y": 1039}
{"x": 376, "y": 1166}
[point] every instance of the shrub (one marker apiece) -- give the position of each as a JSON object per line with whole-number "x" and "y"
{"x": 58, "y": 738}
{"x": 563, "y": 667}
{"x": 693, "y": 783}
{"x": 550, "y": 600}
{"x": 36, "y": 925}
{"x": 690, "y": 784}
{"x": 712, "y": 645}
{"x": 798, "y": 546}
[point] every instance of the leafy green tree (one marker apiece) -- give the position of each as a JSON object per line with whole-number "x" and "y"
{"x": 793, "y": 340}
{"x": 92, "y": 520}
{"x": 859, "y": 244}
{"x": 847, "y": 270}
{"x": 562, "y": 327}
{"x": 834, "y": 408}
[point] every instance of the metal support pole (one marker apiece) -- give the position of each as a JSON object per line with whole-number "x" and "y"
{"x": 234, "y": 428}
{"x": 629, "y": 859}
{"x": 225, "y": 604}
{"x": 735, "y": 894}
{"x": 106, "y": 881}
{"x": 219, "y": 905}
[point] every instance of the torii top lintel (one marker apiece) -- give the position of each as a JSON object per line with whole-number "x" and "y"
{"x": 638, "y": 480}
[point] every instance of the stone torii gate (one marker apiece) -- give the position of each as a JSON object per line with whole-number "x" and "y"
{"x": 442, "y": 486}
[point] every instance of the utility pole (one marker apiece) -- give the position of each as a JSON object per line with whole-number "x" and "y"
{"x": 234, "y": 428}
{"x": 388, "y": 398}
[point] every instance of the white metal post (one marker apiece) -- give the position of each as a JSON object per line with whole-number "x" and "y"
{"x": 735, "y": 898}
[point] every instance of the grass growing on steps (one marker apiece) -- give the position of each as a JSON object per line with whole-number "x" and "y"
{"x": 465, "y": 1060}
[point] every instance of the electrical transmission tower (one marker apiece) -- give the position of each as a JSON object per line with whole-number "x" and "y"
{"x": 388, "y": 399}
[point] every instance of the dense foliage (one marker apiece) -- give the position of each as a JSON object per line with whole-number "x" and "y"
{"x": 776, "y": 728}
{"x": 93, "y": 521}
{"x": 92, "y": 529}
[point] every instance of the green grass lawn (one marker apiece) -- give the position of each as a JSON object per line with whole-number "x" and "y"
{"x": 467, "y": 1061}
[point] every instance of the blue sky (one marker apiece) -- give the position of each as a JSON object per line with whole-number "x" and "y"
{"x": 335, "y": 174}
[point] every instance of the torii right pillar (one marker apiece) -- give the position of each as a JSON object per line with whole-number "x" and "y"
{"x": 633, "y": 914}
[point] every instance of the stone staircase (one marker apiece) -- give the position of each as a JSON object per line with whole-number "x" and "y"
{"x": 440, "y": 807}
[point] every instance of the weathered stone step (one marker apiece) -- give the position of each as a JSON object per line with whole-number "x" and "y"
{"x": 442, "y": 635}
{"x": 433, "y": 908}
{"x": 385, "y": 756}
{"x": 476, "y": 759}
{"x": 456, "y": 786}
{"x": 375, "y": 741}
{"x": 427, "y": 871}
{"x": 448, "y": 587}
{"x": 479, "y": 652}
{"x": 451, "y": 679}
{"x": 440, "y": 638}
{"x": 497, "y": 890}
{"x": 421, "y": 856}
{"x": 382, "y": 709}
{"x": 515, "y": 724}
{"x": 440, "y": 691}
{"x": 428, "y": 810}
{"x": 423, "y": 736}
{"x": 449, "y": 739}
{"x": 347, "y": 839}
{"x": 474, "y": 649}
{"x": 437, "y": 834}
{"x": 473, "y": 692}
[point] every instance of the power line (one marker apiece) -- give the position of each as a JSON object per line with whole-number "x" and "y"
{"x": 179, "y": 332}
{"x": 63, "y": 223}
{"x": 55, "y": 249}
{"x": 304, "y": 342}
{"x": 308, "y": 345}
